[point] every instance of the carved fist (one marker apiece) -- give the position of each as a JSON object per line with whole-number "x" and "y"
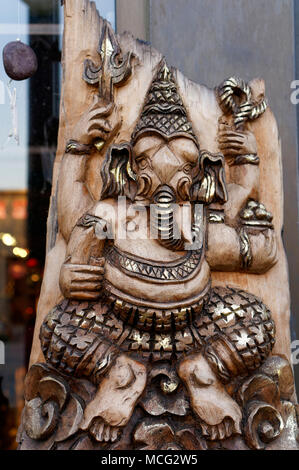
{"x": 98, "y": 125}
{"x": 79, "y": 281}
{"x": 257, "y": 222}
{"x": 264, "y": 249}
{"x": 233, "y": 143}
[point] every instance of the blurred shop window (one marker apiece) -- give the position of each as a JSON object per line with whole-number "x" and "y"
{"x": 28, "y": 139}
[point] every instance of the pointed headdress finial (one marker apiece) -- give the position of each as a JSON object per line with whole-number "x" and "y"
{"x": 163, "y": 111}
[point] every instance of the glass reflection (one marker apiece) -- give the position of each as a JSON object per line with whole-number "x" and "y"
{"x": 29, "y": 112}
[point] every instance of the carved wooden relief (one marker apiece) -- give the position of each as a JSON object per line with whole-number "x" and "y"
{"x": 163, "y": 316}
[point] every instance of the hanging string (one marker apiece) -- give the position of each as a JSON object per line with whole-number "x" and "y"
{"x": 19, "y": 21}
{"x": 12, "y": 94}
{"x": 14, "y": 133}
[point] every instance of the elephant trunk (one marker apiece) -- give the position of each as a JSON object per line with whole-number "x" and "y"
{"x": 163, "y": 222}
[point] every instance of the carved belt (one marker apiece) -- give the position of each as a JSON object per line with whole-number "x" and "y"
{"x": 147, "y": 316}
{"x": 178, "y": 270}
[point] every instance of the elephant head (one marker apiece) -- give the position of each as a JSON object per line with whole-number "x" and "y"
{"x": 163, "y": 164}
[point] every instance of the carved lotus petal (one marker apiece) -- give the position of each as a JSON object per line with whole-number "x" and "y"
{"x": 281, "y": 371}
{"x": 83, "y": 443}
{"x": 189, "y": 440}
{"x": 48, "y": 401}
{"x": 70, "y": 419}
{"x": 160, "y": 435}
{"x": 153, "y": 435}
{"x": 259, "y": 387}
{"x": 156, "y": 405}
{"x": 165, "y": 393}
{"x": 53, "y": 388}
{"x": 40, "y": 419}
{"x": 33, "y": 377}
{"x": 264, "y": 424}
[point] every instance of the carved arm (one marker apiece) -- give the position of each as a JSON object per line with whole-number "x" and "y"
{"x": 240, "y": 151}
{"x": 248, "y": 246}
{"x": 93, "y": 132}
{"x": 82, "y": 273}
{"x": 242, "y": 239}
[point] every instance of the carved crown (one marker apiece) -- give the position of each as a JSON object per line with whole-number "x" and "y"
{"x": 164, "y": 111}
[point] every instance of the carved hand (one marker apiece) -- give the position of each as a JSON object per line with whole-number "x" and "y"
{"x": 99, "y": 124}
{"x": 234, "y": 143}
{"x": 257, "y": 222}
{"x": 264, "y": 250}
{"x": 79, "y": 281}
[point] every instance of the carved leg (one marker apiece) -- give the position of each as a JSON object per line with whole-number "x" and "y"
{"x": 115, "y": 399}
{"x": 74, "y": 342}
{"x": 237, "y": 330}
{"x": 237, "y": 334}
{"x": 219, "y": 414}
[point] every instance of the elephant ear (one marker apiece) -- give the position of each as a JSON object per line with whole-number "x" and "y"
{"x": 209, "y": 184}
{"x": 117, "y": 175}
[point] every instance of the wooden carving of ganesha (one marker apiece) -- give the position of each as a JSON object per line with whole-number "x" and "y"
{"x": 141, "y": 348}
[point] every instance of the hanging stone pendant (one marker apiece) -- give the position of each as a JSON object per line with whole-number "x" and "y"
{"x": 19, "y": 60}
